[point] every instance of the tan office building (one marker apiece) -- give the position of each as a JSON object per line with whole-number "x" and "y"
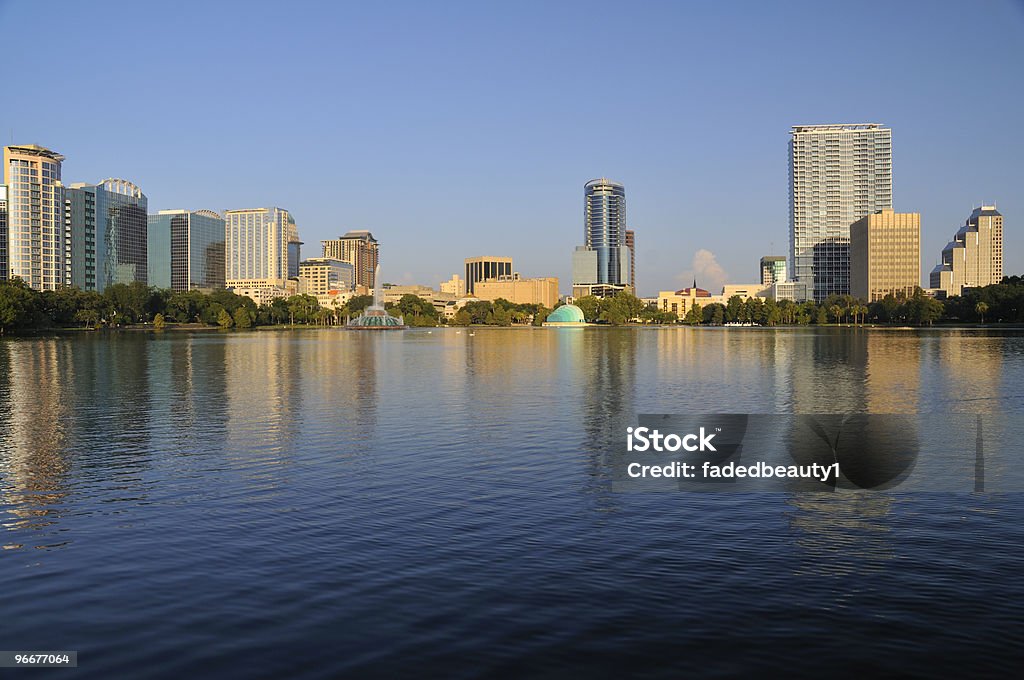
{"x": 885, "y": 254}
{"x": 974, "y": 257}
{"x": 35, "y": 216}
{"x": 484, "y": 269}
{"x": 541, "y": 291}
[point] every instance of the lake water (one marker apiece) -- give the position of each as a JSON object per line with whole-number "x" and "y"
{"x": 317, "y": 503}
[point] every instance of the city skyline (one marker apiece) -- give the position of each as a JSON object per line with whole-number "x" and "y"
{"x": 707, "y": 205}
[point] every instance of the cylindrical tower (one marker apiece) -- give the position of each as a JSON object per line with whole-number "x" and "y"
{"x": 604, "y": 226}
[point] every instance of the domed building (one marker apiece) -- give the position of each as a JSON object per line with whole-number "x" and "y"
{"x": 566, "y": 316}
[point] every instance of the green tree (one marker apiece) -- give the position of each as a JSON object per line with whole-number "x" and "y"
{"x": 243, "y": 317}
{"x": 224, "y": 319}
{"x": 158, "y": 321}
{"x": 980, "y": 309}
{"x": 358, "y": 303}
{"x": 733, "y": 309}
{"x": 590, "y": 305}
{"x": 462, "y": 318}
{"x": 695, "y": 316}
{"x": 18, "y": 305}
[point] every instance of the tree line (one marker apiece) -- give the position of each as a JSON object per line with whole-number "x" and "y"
{"x": 23, "y": 308}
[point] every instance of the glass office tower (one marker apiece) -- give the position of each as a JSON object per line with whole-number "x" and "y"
{"x": 602, "y": 266}
{"x": 106, "y": 234}
{"x": 838, "y": 174}
{"x": 186, "y": 250}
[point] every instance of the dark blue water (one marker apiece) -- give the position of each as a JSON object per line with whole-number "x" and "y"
{"x": 324, "y": 503}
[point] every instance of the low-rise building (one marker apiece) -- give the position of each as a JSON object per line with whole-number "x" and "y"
{"x": 682, "y": 301}
{"x": 519, "y": 291}
{"x": 318, "y": 275}
{"x": 454, "y": 286}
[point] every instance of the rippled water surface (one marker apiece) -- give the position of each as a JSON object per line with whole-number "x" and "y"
{"x": 316, "y": 503}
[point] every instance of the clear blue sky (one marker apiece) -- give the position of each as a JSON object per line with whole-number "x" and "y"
{"x": 456, "y": 129}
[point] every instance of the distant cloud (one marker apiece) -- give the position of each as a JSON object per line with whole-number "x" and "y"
{"x": 705, "y": 268}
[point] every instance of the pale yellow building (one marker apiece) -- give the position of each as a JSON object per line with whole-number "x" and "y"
{"x": 885, "y": 255}
{"x": 540, "y": 291}
{"x": 455, "y": 286}
{"x": 320, "y": 275}
{"x": 974, "y": 257}
{"x": 682, "y": 301}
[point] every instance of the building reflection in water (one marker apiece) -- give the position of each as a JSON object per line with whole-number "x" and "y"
{"x": 605, "y": 360}
{"x": 340, "y": 374}
{"x": 35, "y": 411}
{"x": 265, "y": 400}
{"x": 849, "y": 372}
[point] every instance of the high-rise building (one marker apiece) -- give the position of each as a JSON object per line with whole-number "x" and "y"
{"x": 106, "y": 237}
{"x": 320, "y": 275}
{"x": 4, "y": 265}
{"x": 773, "y": 270}
{"x": 454, "y": 286}
{"x": 601, "y": 266}
{"x": 257, "y": 251}
{"x": 885, "y": 255}
{"x": 186, "y": 250}
{"x": 361, "y": 250}
{"x": 35, "y": 215}
{"x": 974, "y": 257}
{"x": 631, "y": 244}
{"x": 486, "y": 268}
{"x": 838, "y": 174}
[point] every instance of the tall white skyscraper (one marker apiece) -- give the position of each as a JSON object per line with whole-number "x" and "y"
{"x": 838, "y": 174}
{"x": 257, "y": 251}
{"x": 35, "y": 216}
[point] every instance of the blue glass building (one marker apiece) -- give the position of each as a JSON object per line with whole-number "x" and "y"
{"x": 602, "y": 265}
{"x": 186, "y": 250}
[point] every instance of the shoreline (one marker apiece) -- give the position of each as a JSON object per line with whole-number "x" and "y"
{"x": 204, "y": 329}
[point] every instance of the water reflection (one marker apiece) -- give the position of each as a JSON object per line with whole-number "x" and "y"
{"x": 34, "y": 411}
{"x": 265, "y": 399}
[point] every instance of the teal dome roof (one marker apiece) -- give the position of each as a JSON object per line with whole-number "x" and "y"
{"x": 566, "y": 314}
